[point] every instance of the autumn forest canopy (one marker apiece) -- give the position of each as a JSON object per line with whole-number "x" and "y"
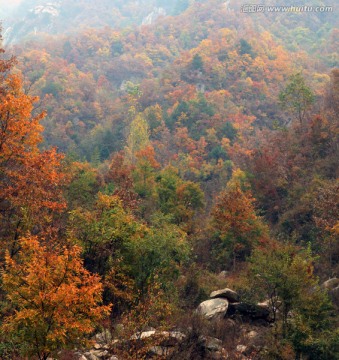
{"x": 168, "y": 181}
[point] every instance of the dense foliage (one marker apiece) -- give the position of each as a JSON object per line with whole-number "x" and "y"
{"x": 205, "y": 141}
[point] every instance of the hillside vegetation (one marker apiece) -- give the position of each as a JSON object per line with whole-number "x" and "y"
{"x": 151, "y": 154}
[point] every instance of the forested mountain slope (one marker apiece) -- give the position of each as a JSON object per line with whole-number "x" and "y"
{"x": 33, "y": 18}
{"x": 234, "y": 49}
{"x": 171, "y": 150}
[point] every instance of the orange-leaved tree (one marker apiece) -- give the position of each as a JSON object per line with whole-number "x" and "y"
{"x": 235, "y": 223}
{"x": 30, "y": 179}
{"x": 54, "y": 300}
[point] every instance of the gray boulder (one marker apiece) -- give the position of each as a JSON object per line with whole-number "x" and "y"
{"x": 210, "y": 343}
{"x": 228, "y": 294}
{"x": 213, "y": 308}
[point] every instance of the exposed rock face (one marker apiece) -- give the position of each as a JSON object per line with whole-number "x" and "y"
{"x": 213, "y": 308}
{"x": 168, "y": 338}
{"x": 330, "y": 284}
{"x": 227, "y": 4}
{"x": 40, "y": 17}
{"x": 51, "y": 9}
{"x": 228, "y": 294}
{"x": 35, "y": 17}
{"x": 332, "y": 287}
{"x": 153, "y": 16}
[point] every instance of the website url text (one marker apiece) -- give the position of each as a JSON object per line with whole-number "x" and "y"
{"x": 252, "y": 8}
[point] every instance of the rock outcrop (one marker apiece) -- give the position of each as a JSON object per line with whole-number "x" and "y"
{"x": 210, "y": 343}
{"x": 101, "y": 349}
{"x": 213, "y": 308}
{"x": 226, "y": 303}
{"x": 168, "y": 338}
{"x": 330, "y": 284}
{"x": 164, "y": 342}
{"x": 228, "y": 294}
{"x": 332, "y": 287}
{"x": 153, "y": 16}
